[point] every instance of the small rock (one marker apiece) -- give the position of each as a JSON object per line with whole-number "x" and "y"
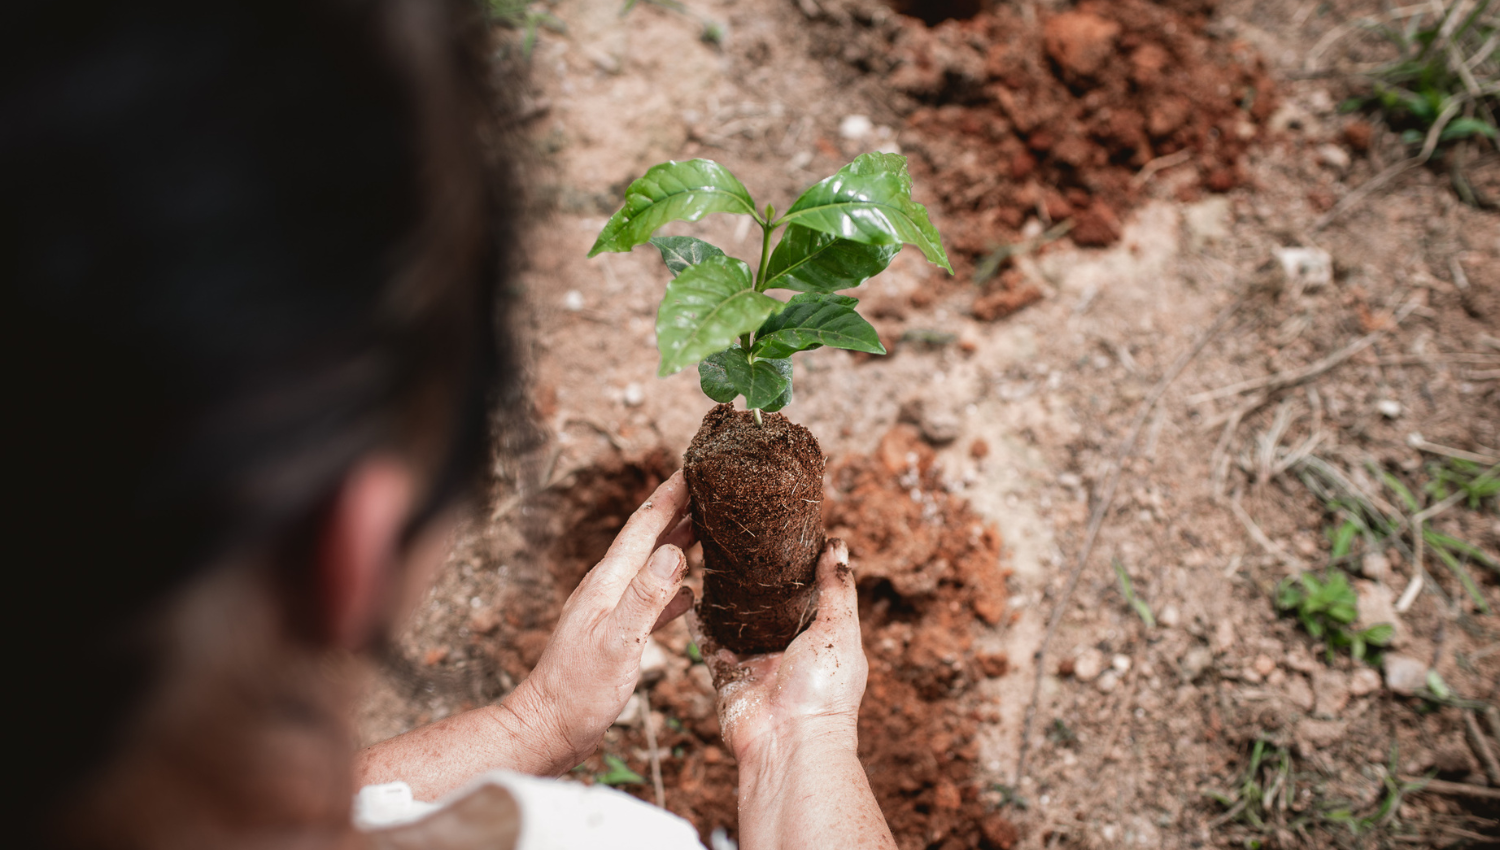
{"x": 979, "y": 449}
{"x": 993, "y": 665}
{"x": 1388, "y": 407}
{"x": 939, "y": 427}
{"x": 1121, "y": 664}
{"x": 1108, "y": 681}
{"x": 946, "y": 797}
{"x": 1376, "y": 604}
{"x": 1080, "y": 42}
{"x": 1197, "y": 659}
{"x": 1374, "y": 565}
{"x": 1299, "y": 693}
{"x": 1331, "y": 691}
{"x": 1306, "y": 268}
{"x": 1170, "y": 617}
{"x": 1088, "y": 664}
{"x": 435, "y": 656}
{"x": 633, "y": 395}
{"x": 631, "y": 713}
{"x": 855, "y": 127}
{"x": 1404, "y": 675}
{"x": 1070, "y": 480}
{"x": 1335, "y": 157}
{"x": 1224, "y": 635}
{"x": 1364, "y": 681}
{"x": 653, "y": 661}
{"x": 1320, "y": 733}
{"x": 573, "y": 301}
{"x": 1264, "y": 665}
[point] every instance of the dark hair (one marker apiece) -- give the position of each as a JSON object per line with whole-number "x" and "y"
{"x": 244, "y": 243}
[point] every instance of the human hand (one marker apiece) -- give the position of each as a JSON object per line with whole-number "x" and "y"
{"x": 593, "y": 659}
{"x": 770, "y": 704}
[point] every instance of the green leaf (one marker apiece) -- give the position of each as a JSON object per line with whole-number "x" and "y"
{"x": 1379, "y": 635}
{"x": 766, "y": 384}
{"x": 1438, "y": 687}
{"x": 808, "y": 260}
{"x": 672, "y": 191}
{"x": 1401, "y": 490}
{"x": 683, "y": 252}
{"x": 618, "y": 773}
{"x": 812, "y": 320}
{"x": 869, "y": 201}
{"x": 1463, "y": 128}
{"x": 705, "y": 309}
{"x": 1343, "y": 539}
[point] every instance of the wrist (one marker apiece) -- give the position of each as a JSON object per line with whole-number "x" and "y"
{"x": 533, "y": 731}
{"x": 797, "y": 740}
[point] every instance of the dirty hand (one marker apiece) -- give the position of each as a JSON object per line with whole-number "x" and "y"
{"x": 593, "y": 660}
{"x": 813, "y": 689}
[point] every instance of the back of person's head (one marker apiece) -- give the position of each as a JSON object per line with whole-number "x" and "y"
{"x": 244, "y": 244}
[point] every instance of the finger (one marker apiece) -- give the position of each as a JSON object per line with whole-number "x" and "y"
{"x": 637, "y": 539}
{"x": 676, "y": 608}
{"x": 653, "y": 588}
{"x": 838, "y": 600}
{"x": 681, "y": 535}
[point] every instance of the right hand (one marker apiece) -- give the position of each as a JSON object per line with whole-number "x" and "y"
{"x": 813, "y": 688}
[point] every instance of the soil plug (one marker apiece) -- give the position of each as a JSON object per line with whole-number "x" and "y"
{"x": 756, "y": 481}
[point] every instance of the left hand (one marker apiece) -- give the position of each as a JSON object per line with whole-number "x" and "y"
{"x": 593, "y": 661}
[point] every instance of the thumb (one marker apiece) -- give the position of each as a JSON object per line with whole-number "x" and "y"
{"x": 652, "y": 589}
{"x": 838, "y": 600}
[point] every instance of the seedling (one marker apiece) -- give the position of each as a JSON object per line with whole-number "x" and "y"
{"x": 618, "y": 773}
{"x": 1137, "y": 604}
{"x": 715, "y": 314}
{"x": 1326, "y": 608}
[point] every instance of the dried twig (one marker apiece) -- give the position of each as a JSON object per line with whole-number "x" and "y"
{"x": 1101, "y": 508}
{"x": 1482, "y": 749}
{"x": 1452, "y": 789}
{"x": 1409, "y": 595}
{"x": 1350, "y": 200}
{"x": 661, "y": 791}
{"x": 1417, "y": 442}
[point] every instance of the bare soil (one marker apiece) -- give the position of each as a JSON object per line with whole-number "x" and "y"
{"x": 963, "y": 468}
{"x": 757, "y": 495}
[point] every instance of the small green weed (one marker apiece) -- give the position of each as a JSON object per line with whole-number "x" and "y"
{"x": 618, "y": 773}
{"x": 528, "y": 17}
{"x": 1326, "y": 607}
{"x": 1444, "y": 85}
{"x": 1127, "y": 589}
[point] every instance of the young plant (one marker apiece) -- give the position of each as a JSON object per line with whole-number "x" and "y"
{"x": 1326, "y": 607}
{"x": 715, "y": 314}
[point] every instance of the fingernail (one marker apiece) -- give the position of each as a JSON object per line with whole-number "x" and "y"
{"x": 840, "y": 551}
{"x": 665, "y": 563}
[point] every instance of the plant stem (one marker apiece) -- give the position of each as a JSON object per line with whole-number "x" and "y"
{"x": 758, "y": 423}
{"x": 766, "y": 230}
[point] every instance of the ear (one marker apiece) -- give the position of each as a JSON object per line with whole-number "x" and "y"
{"x": 359, "y": 553}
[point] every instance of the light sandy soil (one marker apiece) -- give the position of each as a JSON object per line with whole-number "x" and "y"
{"x": 1123, "y": 756}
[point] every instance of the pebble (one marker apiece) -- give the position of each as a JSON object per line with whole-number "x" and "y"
{"x": 573, "y": 301}
{"x": 1388, "y": 407}
{"x": 1170, "y": 617}
{"x": 1404, "y": 675}
{"x": 1321, "y": 733}
{"x": 1224, "y": 636}
{"x": 1195, "y": 662}
{"x": 653, "y": 660}
{"x": 1088, "y": 664}
{"x": 1108, "y": 681}
{"x": 1364, "y": 681}
{"x": 1264, "y": 665}
{"x": 1334, "y": 156}
{"x": 631, "y": 713}
{"x": 855, "y": 127}
{"x": 1121, "y": 664}
{"x": 1374, "y": 565}
{"x": 1309, "y": 267}
{"x": 1331, "y": 693}
{"x": 634, "y": 395}
{"x": 1299, "y": 693}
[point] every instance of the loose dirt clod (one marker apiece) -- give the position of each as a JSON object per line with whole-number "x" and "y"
{"x": 757, "y": 494}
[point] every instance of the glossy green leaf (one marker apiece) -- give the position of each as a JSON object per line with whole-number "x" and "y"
{"x": 706, "y": 308}
{"x": 682, "y": 252}
{"x": 812, "y": 320}
{"x": 766, "y": 384}
{"x": 618, "y": 773}
{"x": 672, "y": 191}
{"x": 809, "y": 260}
{"x": 869, "y": 201}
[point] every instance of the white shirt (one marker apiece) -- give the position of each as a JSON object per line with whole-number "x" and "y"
{"x": 555, "y": 814}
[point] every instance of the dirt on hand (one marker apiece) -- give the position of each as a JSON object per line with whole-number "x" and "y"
{"x": 756, "y": 500}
